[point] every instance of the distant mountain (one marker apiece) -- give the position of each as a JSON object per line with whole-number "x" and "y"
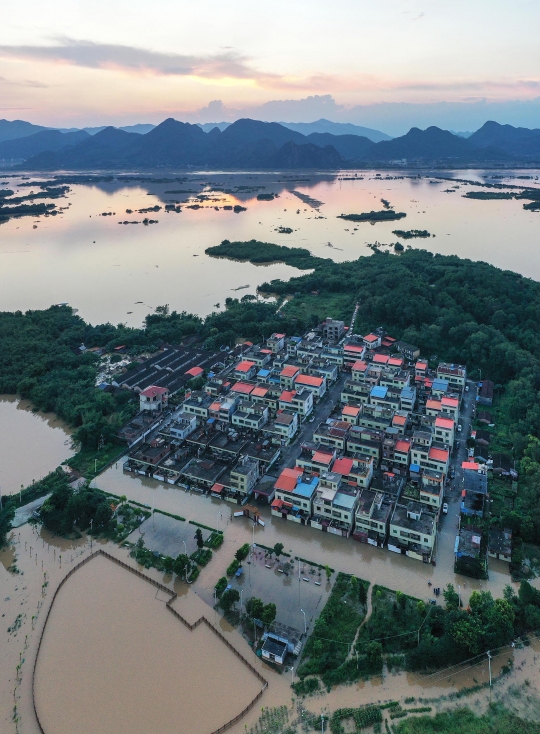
{"x": 515, "y": 141}
{"x": 336, "y": 128}
{"x": 349, "y": 147}
{"x": 431, "y": 145}
{"x": 254, "y": 144}
{"x": 96, "y": 151}
{"x": 141, "y": 128}
{"x": 207, "y": 126}
{"x": 11, "y": 129}
{"x": 38, "y": 142}
{"x": 292, "y": 155}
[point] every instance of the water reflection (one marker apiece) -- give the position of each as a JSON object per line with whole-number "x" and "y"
{"x": 118, "y": 273}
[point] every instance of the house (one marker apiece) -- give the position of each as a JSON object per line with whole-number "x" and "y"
{"x": 223, "y": 409}
{"x": 332, "y": 433}
{"x": 408, "y": 398}
{"x": 181, "y": 428}
{"x": 334, "y": 509}
{"x": 154, "y": 398}
{"x": 358, "y": 370}
{"x": 421, "y": 368}
{"x": 249, "y": 415}
{"x": 500, "y": 544}
{"x": 474, "y": 493}
{"x": 194, "y": 372}
{"x": 260, "y": 357}
{"x": 316, "y": 385}
{"x": 399, "y": 420}
{"x": 294, "y": 495}
{"x": 299, "y": 401}
{"x": 351, "y": 413}
{"x": 333, "y": 330}
{"x": 276, "y": 343}
{"x": 372, "y": 517}
{"x": 439, "y": 388}
{"x": 470, "y": 553}
{"x": 455, "y": 374}
{"x": 148, "y": 456}
{"x": 283, "y": 428}
{"x": 444, "y": 430}
{"x": 450, "y": 408}
{"x": 355, "y": 392}
{"x": 314, "y": 459}
{"x": 288, "y": 375}
{"x": 274, "y": 649}
{"x": 485, "y": 393}
{"x": 239, "y": 481}
{"x": 413, "y": 529}
{"x": 202, "y": 473}
{"x": 197, "y": 403}
{"x": 372, "y": 341}
{"x": 365, "y": 441}
{"x": 245, "y": 370}
{"x": 409, "y": 351}
{"x": 352, "y": 352}
{"x": 355, "y": 471}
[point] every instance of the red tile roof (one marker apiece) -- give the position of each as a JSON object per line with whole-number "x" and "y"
{"x": 353, "y": 348}
{"x": 447, "y": 423}
{"x": 403, "y": 447}
{"x": 153, "y": 391}
{"x": 259, "y": 392}
{"x": 395, "y": 361}
{"x": 433, "y": 404}
{"x": 438, "y": 454}
{"x": 381, "y": 358}
{"x": 359, "y": 366}
{"x": 351, "y": 410}
{"x": 321, "y": 457}
{"x": 472, "y": 465}
{"x": 450, "y": 402}
{"x": 343, "y": 466}
{"x": 399, "y": 420}
{"x": 217, "y": 488}
{"x": 287, "y": 396}
{"x": 244, "y": 366}
{"x": 194, "y": 371}
{"x": 242, "y": 387}
{"x": 309, "y": 380}
{"x": 288, "y": 479}
{"x": 370, "y": 338}
{"x": 289, "y": 371}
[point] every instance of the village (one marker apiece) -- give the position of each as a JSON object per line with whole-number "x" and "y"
{"x": 352, "y": 435}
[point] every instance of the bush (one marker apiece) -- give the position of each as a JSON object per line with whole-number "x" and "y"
{"x": 306, "y": 686}
{"x": 202, "y": 556}
{"x": 233, "y": 568}
{"x": 221, "y": 586}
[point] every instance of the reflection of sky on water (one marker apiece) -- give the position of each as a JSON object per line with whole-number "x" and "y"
{"x": 103, "y": 268}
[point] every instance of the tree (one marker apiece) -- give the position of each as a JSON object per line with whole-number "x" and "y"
{"x": 278, "y": 549}
{"x": 181, "y": 563}
{"x": 451, "y": 597}
{"x": 168, "y": 564}
{"x": 242, "y": 553}
{"x": 254, "y": 608}
{"x": 199, "y": 538}
{"x": 268, "y": 614}
{"x": 328, "y": 572}
{"x": 228, "y": 599}
{"x": 468, "y": 633}
{"x": 363, "y": 593}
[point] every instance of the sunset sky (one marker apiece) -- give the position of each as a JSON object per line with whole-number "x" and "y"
{"x": 74, "y": 63}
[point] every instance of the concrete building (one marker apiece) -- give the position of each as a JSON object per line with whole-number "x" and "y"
{"x": 333, "y": 330}
{"x": 154, "y": 398}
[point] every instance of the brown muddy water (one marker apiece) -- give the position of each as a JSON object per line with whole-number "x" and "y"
{"x": 33, "y": 443}
{"x": 115, "y": 628}
{"x": 343, "y": 554}
{"x": 118, "y": 273}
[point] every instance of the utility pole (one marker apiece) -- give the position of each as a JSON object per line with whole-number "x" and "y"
{"x": 305, "y": 625}
{"x": 489, "y": 663}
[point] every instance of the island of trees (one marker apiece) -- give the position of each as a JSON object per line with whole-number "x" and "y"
{"x": 385, "y": 215}
{"x": 409, "y": 234}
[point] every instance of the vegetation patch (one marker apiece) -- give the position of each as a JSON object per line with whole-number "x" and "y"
{"x": 264, "y": 252}
{"x": 464, "y": 721}
{"x": 385, "y": 215}
{"x": 488, "y": 195}
{"x": 327, "y": 649}
{"x": 409, "y": 234}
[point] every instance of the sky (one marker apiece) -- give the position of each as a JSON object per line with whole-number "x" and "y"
{"x": 389, "y": 64}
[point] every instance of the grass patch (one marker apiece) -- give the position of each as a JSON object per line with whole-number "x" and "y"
{"x": 169, "y": 514}
{"x": 464, "y": 721}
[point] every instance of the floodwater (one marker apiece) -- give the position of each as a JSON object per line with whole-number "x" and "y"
{"x": 33, "y": 443}
{"x": 376, "y": 565}
{"x": 114, "y": 659}
{"x": 119, "y": 273}
{"x": 122, "y": 649}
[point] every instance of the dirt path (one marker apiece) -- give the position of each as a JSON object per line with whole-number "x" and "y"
{"x": 362, "y": 623}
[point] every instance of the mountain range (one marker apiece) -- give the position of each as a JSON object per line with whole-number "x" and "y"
{"x": 254, "y": 144}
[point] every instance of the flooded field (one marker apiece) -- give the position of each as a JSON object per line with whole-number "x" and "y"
{"x": 33, "y": 443}
{"x": 110, "y": 639}
{"x": 37, "y": 553}
{"x": 118, "y": 273}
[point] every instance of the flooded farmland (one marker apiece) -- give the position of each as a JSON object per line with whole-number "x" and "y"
{"x": 118, "y": 273}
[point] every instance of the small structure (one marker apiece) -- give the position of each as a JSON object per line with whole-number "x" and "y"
{"x": 274, "y": 649}
{"x": 470, "y": 553}
{"x": 485, "y": 393}
{"x": 500, "y": 544}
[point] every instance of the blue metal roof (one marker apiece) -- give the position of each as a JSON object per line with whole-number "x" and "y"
{"x": 440, "y": 385}
{"x": 415, "y": 467}
{"x": 379, "y": 391}
{"x": 263, "y": 373}
{"x": 306, "y": 489}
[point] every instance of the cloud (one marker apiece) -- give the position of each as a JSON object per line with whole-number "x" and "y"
{"x": 136, "y": 60}
{"x": 23, "y": 83}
